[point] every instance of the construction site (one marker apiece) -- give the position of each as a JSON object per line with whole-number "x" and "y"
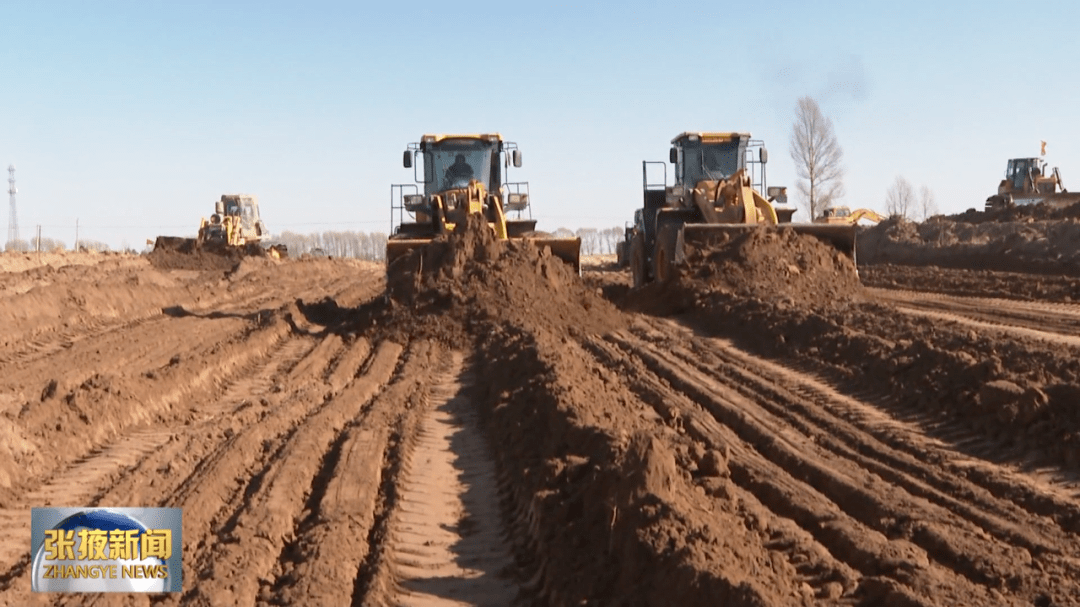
{"x": 747, "y": 412}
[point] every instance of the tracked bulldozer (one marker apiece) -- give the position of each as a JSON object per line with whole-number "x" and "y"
{"x": 465, "y": 175}
{"x": 234, "y": 226}
{"x": 718, "y": 180}
{"x": 1031, "y": 181}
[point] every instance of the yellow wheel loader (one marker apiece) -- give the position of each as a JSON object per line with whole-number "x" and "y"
{"x": 718, "y": 180}
{"x": 465, "y": 175}
{"x": 235, "y": 225}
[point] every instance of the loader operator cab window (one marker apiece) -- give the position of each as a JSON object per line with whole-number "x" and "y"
{"x": 459, "y": 172}
{"x": 720, "y": 160}
{"x": 452, "y": 163}
{"x": 247, "y": 215}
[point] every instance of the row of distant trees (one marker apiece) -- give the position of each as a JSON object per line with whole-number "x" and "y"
{"x": 51, "y": 244}
{"x": 359, "y": 245}
{"x": 372, "y": 245}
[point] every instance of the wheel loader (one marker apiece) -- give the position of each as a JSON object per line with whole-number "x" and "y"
{"x": 718, "y": 180}
{"x": 1031, "y": 181}
{"x": 234, "y": 226}
{"x": 844, "y": 215}
{"x": 463, "y": 175}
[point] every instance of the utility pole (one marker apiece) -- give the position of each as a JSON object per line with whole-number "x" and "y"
{"x": 13, "y": 218}
{"x": 76, "y": 234}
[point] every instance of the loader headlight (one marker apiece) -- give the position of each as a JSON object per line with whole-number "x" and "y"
{"x": 517, "y": 202}
{"x": 414, "y": 202}
{"x": 779, "y": 194}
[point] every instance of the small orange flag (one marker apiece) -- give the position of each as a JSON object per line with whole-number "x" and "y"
{"x": 1044, "y": 148}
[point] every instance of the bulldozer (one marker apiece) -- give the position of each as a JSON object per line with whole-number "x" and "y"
{"x": 845, "y": 216}
{"x": 234, "y": 226}
{"x": 1031, "y": 181}
{"x": 464, "y": 175}
{"x": 718, "y": 180}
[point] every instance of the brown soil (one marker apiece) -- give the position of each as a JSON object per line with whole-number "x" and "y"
{"x": 487, "y": 427}
{"x": 1012, "y": 241}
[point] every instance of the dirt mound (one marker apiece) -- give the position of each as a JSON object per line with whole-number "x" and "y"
{"x": 203, "y": 259}
{"x": 772, "y": 265}
{"x": 469, "y": 277}
{"x": 1019, "y": 213}
{"x": 1027, "y": 244}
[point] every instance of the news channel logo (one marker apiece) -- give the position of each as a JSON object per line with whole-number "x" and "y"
{"x": 106, "y": 549}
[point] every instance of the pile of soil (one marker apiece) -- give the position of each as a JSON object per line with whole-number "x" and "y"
{"x": 770, "y": 265}
{"x": 973, "y": 283}
{"x": 1019, "y": 213}
{"x": 1007, "y": 243}
{"x": 204, "y": 259}
{"x": 463, "y": 280}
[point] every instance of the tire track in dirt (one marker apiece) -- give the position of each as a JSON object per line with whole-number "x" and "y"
{"x": 210, "y": 304}
{"x": 241, "y": 554}
{"x": 86, "y": 481}
{"x": 1054, "y": 322}
{"x": 821, "y": 541}
{"x": 445, "y": 537}
{"x": 948, "y": 539}
{"x": 332, "y": 536}
{"x": 210, "y": 472}
{"x": 817, "y": 410}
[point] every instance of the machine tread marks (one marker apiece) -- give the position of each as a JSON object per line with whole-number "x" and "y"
{"x": 797, "y": 450}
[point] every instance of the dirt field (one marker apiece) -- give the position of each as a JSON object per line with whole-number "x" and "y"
{"x": 486, "y": 427}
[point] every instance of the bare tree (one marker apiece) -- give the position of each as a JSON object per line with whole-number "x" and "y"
{"x": 927, "y": 203}
{"x": 900, "y": 198}
{"x": 818, "y": 157}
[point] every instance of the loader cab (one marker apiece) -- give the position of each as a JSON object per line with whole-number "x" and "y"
{"x": 1019, "y": 169}
{"x": 244, "y": 206}
{"x": 444, "y": 166}
{"x": 450, "y": 162}
{"x": 708, "y": 156}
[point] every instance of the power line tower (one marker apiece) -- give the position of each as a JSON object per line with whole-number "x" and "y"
{"x": 13, "y": 218}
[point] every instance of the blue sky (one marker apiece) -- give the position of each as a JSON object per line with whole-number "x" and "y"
{"x": 133, "y": 117}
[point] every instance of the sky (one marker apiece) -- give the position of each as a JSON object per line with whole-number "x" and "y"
{"x": 132, "y": 118}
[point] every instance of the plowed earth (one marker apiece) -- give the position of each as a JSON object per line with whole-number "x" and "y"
{"x": 485, "y": 427}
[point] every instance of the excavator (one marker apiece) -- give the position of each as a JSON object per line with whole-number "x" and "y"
{"x": 718, "y": 180}
{"x": 464, "y": 175}
{"x": 1031, "y": 181}
{"x": 234, "y": 226}
{"x": 844, "y": 215}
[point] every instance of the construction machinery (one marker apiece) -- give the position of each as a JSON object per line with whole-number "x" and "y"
{"x": 622, "y": 248}
{"x": 1031, "y": 181}
{"x": 234, "y": 226}
{"x": 845, "y": 216}
{"x": 464, "y": 175}
{"x": 718, "y": 179}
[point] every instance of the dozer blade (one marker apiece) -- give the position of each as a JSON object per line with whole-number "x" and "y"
{"x": 566, "y": 249}
{"x": 840, "y": 237}
{"x": 174, "y": 243}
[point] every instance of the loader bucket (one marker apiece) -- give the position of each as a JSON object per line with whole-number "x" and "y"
{"x": 398, "y": 248}
{"x": 840, "y": 237}
{"x": 566, "y": 249}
